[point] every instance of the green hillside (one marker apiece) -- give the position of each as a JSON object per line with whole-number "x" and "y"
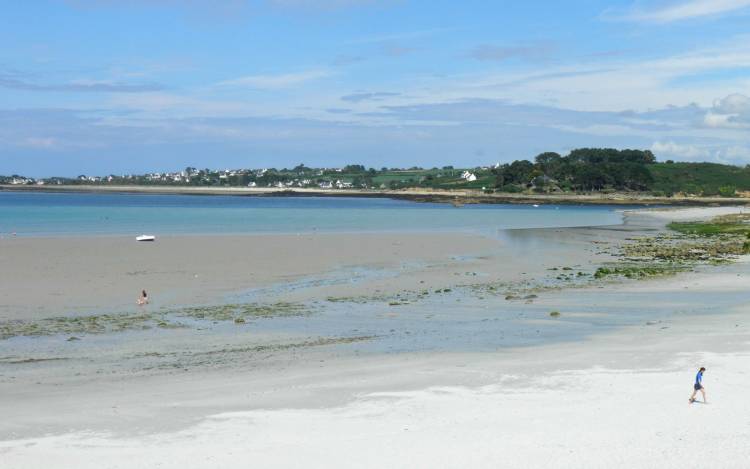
{"x": 699, "y": 178}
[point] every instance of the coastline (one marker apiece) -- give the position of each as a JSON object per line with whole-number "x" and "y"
{"x": 415, "y": 195}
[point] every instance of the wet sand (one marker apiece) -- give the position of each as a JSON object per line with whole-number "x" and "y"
{"x": 58, "y": 276}
{"x": 73, "y": 276}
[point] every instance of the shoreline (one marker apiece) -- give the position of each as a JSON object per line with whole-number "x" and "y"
{"x": 414, "y": 195}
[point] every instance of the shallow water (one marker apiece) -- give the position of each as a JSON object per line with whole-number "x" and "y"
{"x": 45, "y": 214}
{"x": 460, "y": 320}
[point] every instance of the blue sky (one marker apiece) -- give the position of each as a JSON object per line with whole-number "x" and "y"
{"x": 103, "y": 86}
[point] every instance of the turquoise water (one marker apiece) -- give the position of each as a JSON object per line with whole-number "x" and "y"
{"x": 47, "y": 214}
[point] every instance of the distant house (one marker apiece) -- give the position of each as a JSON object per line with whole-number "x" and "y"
{"x": 252, "y": 184}
{"x": 468, "y": 176}
{"x": 326, "y": 185}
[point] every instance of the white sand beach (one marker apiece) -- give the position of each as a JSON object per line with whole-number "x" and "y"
{"x": 618, "y": 401}
{"x": 614, "y": 398}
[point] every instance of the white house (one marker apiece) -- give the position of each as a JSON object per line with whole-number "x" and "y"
{"x": 326, "y": 185}
{"x": 469, "y": 177}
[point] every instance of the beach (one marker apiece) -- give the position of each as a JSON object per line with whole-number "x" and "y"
{"x": 404, "y": 350}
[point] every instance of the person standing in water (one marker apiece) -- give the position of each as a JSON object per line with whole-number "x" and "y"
{"x": 698, "y": 386}
{"x": 143, "y": 300}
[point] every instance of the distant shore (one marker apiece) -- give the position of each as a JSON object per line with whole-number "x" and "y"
{"x": 414, "y": 194}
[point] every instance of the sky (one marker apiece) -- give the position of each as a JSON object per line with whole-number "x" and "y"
{"x": 134, "y": 86}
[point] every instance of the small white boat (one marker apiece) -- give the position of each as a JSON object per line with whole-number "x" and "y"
{"x": 536, "y": 205}
{"x": 145, "y": 238}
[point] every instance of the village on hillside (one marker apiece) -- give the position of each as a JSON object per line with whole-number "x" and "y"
{"x": 348, "y": 177}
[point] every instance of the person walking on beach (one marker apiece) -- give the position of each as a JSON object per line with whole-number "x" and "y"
{"x": 698, "y": 386}
{"x": 143, "y": 300}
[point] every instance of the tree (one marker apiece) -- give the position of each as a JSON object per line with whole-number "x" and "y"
{"x": 519, "y": 172}
{"x": 549, "y": 162}
{"x": 499, "y": 173}
{"x": 354, "y": 168}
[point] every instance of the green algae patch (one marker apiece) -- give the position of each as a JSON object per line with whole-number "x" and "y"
{"x": 636, "y": 271}
{"x": 91, "y": 324}
{"x": 717, "y": 241}
{"x": 734, "y": 224}
{"x": 111, "y": 323}
{"x": 243, "y": 311}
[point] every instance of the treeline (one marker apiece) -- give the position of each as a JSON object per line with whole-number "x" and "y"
{"x": 584, "y": 169}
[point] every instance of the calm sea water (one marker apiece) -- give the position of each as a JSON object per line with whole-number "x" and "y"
{"x": 45, "y": 214}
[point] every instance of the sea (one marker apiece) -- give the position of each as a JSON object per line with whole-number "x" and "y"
{"x": 95, "y": 214}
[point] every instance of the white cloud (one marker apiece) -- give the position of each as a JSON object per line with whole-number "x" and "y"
{"x": 733, "y": 104}
{"x": 699, "y": 152}
{"x": 730, "y": 112}
{"x": 738, "y": 153}
{"x": 679, "y": 150}
{"x": 280, "y": 81}
{"x": 683, "y": 10}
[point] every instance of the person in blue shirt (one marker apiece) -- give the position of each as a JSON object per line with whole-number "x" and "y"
{"x": 698, "y": 386}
